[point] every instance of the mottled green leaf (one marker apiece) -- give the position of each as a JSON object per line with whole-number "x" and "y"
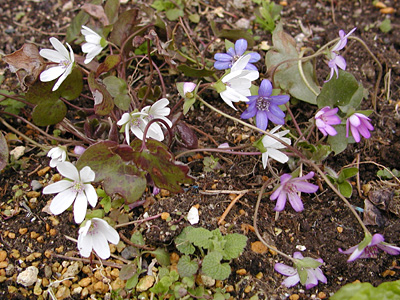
{"x": 158, "y": 162}
{"x": 109, "y": 63}
{"x": 123, "y": 27}
{"x": 72, "y": 86}
{"x": 234, "y": 245}
{"x": 174, "y": 14}
{"x": 111, "y": 9}
{"x": 162, "y": 256}
{"x": 119, "y": 177}
{"x": 182, "y": 242}
{"x": 212, "y": 266}
{"x": 103, "y": 102}
{"x": 192, "y": 72}
{"x": 338, "y": 142}
{"x": 287, "y": 76}
{"x": 49, "y": 112}
{"x": 187, "y": 267}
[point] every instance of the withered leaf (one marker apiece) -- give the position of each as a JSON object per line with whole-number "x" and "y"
{"x": 27, "y": 63}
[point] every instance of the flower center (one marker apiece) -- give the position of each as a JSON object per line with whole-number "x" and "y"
{"x": 371, "y": 251}
{"x": 93, "y": 230}
{"x": 263, "y": 103}
{"x": 64, "y": 63}
{"x": 290, "y": 188}
{"x": 78, "y": 187}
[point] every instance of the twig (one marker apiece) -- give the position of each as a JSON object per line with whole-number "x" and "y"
{"x": 228, "y": 209}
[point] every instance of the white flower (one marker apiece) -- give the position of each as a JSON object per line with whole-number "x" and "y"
{"x": 60, "y": 56}
{"x": 158, "y": 110}
{"x": 57, "y": 154}
{"x": 193, "y": 215}
{"x": 95, "y": 235}
{"x": 136, "y": 122}
{"x": 75, "y": 187}
{"x": 95, "y": 43}
{"x": 238, "y": 82}
{"x": 272, "y": 146}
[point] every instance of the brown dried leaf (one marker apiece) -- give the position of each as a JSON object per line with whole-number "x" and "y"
{"x": 372, "y": 215}
{"x": 97, "y": 12}
{"x": 27, "y": 63}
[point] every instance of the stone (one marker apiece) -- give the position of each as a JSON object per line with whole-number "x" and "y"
{"x": 36, "y": 185}
{"x": 100, "y": 287}
{"x": 73, "y": 269}
{"x": 3, "y": 255}
{"x": 28, "y": 277}
{"x": 47, "y": 271}
{"x": 145, "y": 283}
{"x": 63, "y": 292}
{"x": 84, "y": 282}
{"x": 117, "y": 284}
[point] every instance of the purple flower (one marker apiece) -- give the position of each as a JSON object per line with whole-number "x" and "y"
{"x": 265, "y": 107}
{"x": 359, "y": 124}
{"x": 289, "y": 188}
{"x": 226, "y": 60}
{"x": 336, "y": 60}
{"x": 326, "y": 117}
{"x": 369, "y": 248}
{"x": 314, "y": 274}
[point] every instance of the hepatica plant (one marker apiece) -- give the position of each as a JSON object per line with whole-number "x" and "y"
{"x": 125, "y": 123}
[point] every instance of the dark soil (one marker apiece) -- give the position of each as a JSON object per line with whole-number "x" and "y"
{"x": 325, "y": 225}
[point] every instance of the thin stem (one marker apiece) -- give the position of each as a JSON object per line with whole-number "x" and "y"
{"x": 219, "y": 150}
{"x": 300, "y": 67}
{"x": 256, "y": 228}
{"x": 293, "y": 119}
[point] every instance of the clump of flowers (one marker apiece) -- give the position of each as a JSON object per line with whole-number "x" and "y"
{"x": 65, "y": 62}
{"x": 227, "y": 60}
{"x": 335, "y": 60}
{"x": 58, "y": 155}
{"x": 307, "y": 271}
{"x": 359, "y": 124}
{"x": 94, "y": 43}
{"x": 289, "y": 189}
{"x": 325, "y": 118}
{"x": 75, "y": 188}
{"x": 266, "y": 107}
{"x": 370, "y": 247}
{"x": 95, "y": 235}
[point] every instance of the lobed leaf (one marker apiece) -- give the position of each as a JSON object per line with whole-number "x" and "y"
{"x": 187, "y": 267}
{"x": 212, "y": 266}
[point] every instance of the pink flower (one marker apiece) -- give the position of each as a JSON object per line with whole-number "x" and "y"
{"x": 326, "y": 117}
{"x": 359, "y": 124}
{"x": 369, "y": 248}
{"x": 314, "y": 273}
{"x": 289, "y": 188}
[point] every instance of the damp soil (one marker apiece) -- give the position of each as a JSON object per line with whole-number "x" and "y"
{"x": 325, "y": 225}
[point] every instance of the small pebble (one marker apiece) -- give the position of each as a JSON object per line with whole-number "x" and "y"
{"x": 43, "y": 171}
{"x": 36, "y": 185}
{"x": 22, "y": 231}
{"x": 33, "y": 194}
{"x": 100, "y": 287}
{"x": 34, "y": 235}
{"x": 15, "y": 253}
{"x": 11, "y": 235}
{"x": 247, "y": 289}
{"x": 85, "y": 282}
{"x": 241, "y": 272}
{"x": 145, "y": 283}
{"x": 28, "y": 277}
{"x": 3, "y": 255}
{"x": 321, "y": 295}
{"x": 3, "y": 264}
{"x": 63, "y": 292}
{"x": 47, "y": 271}
{"x": 10, "y": 270}
{"x": 387, "y": 10}
{"x": 294, "y": 297}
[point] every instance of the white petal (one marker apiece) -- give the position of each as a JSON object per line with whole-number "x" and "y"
{"x": 68, "y": 170}
{"x": 62, "y": 78}
{"x": 60, "y": 48}
{"x": 241, "y": 63}
{"x": 85, "y": 245}
{"x": 110, "y": 233}
{"x": 264, "y": 157}
{"x": 57, "y": 187}
{"x": 52, "y": 55}
{"x": 51, "y": 74}
{"x": 62, "y": 201}
{"x": 126, "y": 117}
{"x": 87, "y": 174}
{"x": 90, "y": 194}
{"x": 100, "y": 246}
{"x": 80, "y": 207}
{"x": 278, "y": 155}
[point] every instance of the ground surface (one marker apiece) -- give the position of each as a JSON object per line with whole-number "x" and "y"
{"x": 324, "y": 226}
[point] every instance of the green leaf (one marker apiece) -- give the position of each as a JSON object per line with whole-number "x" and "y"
{"x": 182, "y": 242}
{"x": 174, "y": 14}
{"x": 49, "y": 112}
{"x": 103, "y": 100}
{"x": 137, "y": 238}
{"x": 187, "y": 267}
{"x": 344, "y": 92}
{"x": 234, "y": 245}
{"x": 122, "y": 101}
{"x": 132, "y": 282}
{"x": 162, "y": 256}
{"x": 109, "y": 63}
{"x": 119, "y": 177}
{"x": 127, "y": 271}
{"x": 192, "y": 72}
{"x": 212, "y": 266}
{"x": 365, "y": 291}
{"x": 345, "y": 189}
{"x": 194, "y": 18}
{"x": 41, "y": 91}
{"x": 11, "y": 105}
{"x": 159, "y": 163}
{"x": 200, "y": 237}
{"x": 124, "y": 26}
{"x": 111, "y": 9}
{"x": 72, "y": 86}
{"x": 338, "y": 142}
{"x": 347, "y": 173}
{"x": 3, "y": 152}
{"x": 115, "y": 86}
{"x": 307, "y": 262}
{"x": 385, "y": 26}
{"x": 287, "y": 75}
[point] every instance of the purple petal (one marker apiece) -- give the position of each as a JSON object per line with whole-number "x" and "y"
{"x": 281, "y": 202}
{"x": 354, "y": 132}
{"x": 285, "y": 178}
{"x": 240, "y": 47}
{"x": 295, "y": 202}
{"x": 376, "y": 239}
{"x": 255, "y": 57}
{"x": 356, "y": 254}
{"x": 348, "y": 251}
{"x": 276, "y": 119}
{"x": 285, "y": 270}
{"x": 306, "y": 177}
{"x": 330, "y": 130}
{"x": 222, "y": 65}
{"x": 251, "y": 67}
{"x": 223, "y": 57}
{"x": 265, "y": 88}
{"x": 291, "y": 281}
{"x": 340, "y": 62}
{"x": 311, "y": 280}
{"x": 320, "y": 276}
{"x": 231, "y": 52}
{"x": 280, "y": 99}
{"x": 262, "y": 119}
{"x": 275, "y": 110}
{"x": 249, "y": 113}
{"x": 390, "y": 249}
{"x": 305, "y": 187}
{"x": 298, "y": 255}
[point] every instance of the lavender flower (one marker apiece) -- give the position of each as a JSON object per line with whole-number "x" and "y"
{"x": 226, "y": 60}
{"x": 359, "y": 124}
{"x": 306, "y": 267}
{"x": 369, "y": 248}
{"x": 335, "y": 60}
{"x": 326, "y": 117}
{"x": 289, "y": 188}
{"x": 265, "y": 107}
